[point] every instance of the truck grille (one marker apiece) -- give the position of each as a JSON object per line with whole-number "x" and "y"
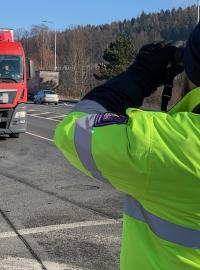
{"x": 7, "y": 96}
{"x": 3, "y": 124}
{"x": 5, "y": 117}
{"x": 4, "y": 114}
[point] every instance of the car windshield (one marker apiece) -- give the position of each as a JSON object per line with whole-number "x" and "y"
{"x": 11, "y": 68}
{"x": 49, "y": 92}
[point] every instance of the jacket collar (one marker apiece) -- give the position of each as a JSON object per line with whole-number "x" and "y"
{"x": 188, "y": 103}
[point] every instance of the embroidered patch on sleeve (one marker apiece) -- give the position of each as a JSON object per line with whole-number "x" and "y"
{"x": 104, "y": 119}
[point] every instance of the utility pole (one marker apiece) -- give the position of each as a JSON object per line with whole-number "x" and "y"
{"x": 198, "y": 11}
{"x": 55, "y": 49}
{"x": 55, "y": 44}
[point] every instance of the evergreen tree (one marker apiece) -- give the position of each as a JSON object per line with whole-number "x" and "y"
{"x": 118, "y": 57}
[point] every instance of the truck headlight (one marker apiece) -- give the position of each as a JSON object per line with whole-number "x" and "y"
{"x": 21, "y": 114}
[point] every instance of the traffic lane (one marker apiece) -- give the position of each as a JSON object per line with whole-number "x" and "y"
{"x": 99, "y": 194}
{"x": 92, "y": 249}
{"x": 61, "y": 108}
{"x": 31, "y": 207}
{"x": 38, "y": 164}
{"x": 77, "y": 249}
{"x": 34, "y": 193}
{"x": 42, "y": 121}
{"x": 56, "y": 245}
{"x": 42, "y": 127}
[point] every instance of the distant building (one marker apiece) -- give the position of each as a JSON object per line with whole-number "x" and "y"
{"x": 44, "y": 79}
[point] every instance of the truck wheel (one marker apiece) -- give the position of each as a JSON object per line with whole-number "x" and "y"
{"x": 14, "y": 135}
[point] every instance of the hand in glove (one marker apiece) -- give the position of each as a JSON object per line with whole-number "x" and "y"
{"x": 152, "y": 64}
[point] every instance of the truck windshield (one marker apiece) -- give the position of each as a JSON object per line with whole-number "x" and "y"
{"x": 11, "y": 68}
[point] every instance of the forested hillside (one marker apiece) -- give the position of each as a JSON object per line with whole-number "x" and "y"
{"x": 80, "y": 49}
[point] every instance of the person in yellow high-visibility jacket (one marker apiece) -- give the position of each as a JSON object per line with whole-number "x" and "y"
{"x": 153, "y": 157}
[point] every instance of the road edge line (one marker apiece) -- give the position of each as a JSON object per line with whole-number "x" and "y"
{"x": 58, "y": 227}
{"x": 38, "y": 136}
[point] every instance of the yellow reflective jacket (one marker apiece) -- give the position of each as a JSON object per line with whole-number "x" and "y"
{"x": 154, "y": 158}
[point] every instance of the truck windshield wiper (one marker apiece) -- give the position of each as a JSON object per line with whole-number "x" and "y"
{"x": 8, "y": 79}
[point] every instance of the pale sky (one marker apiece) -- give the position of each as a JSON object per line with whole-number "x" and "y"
{"x": 70, "y": 13}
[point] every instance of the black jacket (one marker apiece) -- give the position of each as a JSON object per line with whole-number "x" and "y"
{"x": 123, "y": 91}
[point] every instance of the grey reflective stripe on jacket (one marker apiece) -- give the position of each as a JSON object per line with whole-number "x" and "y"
{"x": 89, "y": 106}
{"x": 162, "y": 228}
{"x": 83, "y": 136}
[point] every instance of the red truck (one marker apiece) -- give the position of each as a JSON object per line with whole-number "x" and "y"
{"x": 13, "y": 85}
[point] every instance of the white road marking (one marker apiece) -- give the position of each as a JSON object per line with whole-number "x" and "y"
{"x": 41, "y": 113}
{"x": 67, "y": 104}
{"x": 46, "y": 229}
{"x": 38, "y": 136}
{"x": 44, "y": 118}
{"x": 32, "y": 110}
{"x": 17, "y": 263}
{"x": 58, "y": 116}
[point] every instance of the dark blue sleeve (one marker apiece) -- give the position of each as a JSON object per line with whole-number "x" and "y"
{"x": 121, "y": 92}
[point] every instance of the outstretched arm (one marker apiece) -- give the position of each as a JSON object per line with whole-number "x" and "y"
{"x": 129, "y": 88}
{"x": 108, "y": 146}
{"x": 116, "y": 95}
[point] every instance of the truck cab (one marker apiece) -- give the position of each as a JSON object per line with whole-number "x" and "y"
{"x": 13, "y": 85}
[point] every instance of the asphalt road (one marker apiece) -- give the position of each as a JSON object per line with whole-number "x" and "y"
{"x": 51, "y": 215}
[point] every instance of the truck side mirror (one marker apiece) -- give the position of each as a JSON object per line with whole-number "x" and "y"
{"x": 30, "y": 69}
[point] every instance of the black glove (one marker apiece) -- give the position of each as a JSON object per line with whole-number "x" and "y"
{"x": 152, "y": 62}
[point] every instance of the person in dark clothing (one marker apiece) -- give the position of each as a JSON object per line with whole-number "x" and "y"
{"x": 152, "y": 157}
